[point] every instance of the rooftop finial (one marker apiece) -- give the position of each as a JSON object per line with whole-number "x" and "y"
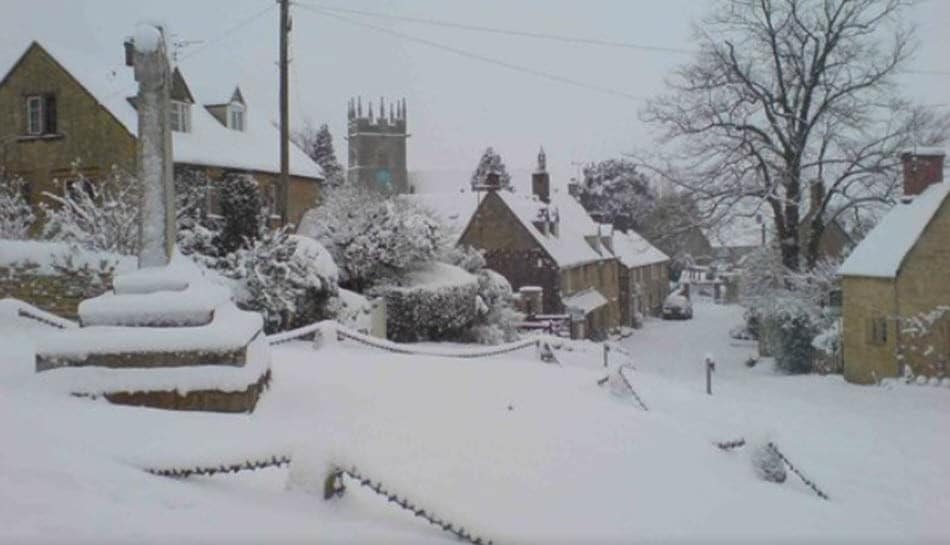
{"x": 542, "y": 160}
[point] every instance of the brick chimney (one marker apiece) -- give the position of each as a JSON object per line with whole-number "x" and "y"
{"x": 922, "y": 167}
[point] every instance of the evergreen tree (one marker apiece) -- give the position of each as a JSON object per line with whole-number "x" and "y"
{"x": 615, "y": 192}
{"x": 318, "y": 145}
{"x": 491, "y": 163}
{"x": 241, "y": 208}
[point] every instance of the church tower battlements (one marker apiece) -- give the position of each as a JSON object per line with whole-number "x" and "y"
{"x": 377, "y": 145}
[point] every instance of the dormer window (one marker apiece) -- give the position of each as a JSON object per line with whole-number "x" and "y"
{"x": 180, "y": 116}
{"x": 236, "y": 116}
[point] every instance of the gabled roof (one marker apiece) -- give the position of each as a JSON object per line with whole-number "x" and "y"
{"x": 568, "y": 248}
{"x": 882, "y": 253}
{"x": 635, "y": 251}
{"x": 209, "y": 143}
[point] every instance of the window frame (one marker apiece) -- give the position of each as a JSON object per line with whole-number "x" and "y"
{"x": 237, "y": 111}
{"x": 877, "y": 331}
{"x": 40, "y": 127}
{"x": 180, "y": 116}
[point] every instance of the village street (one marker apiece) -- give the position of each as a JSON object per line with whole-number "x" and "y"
{"x": 509, "y": 447}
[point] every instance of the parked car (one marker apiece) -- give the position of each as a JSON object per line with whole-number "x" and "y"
{"x": 677, "y": 307}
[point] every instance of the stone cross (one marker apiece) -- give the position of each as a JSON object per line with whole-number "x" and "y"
{"x": 155, "y": 167}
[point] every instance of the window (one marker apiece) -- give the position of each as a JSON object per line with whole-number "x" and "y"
{"x": 236, "y": 117}
{"x": 180, "y": 116}
{"x": 40, "y": 115}
{"x": 877, "y": 331}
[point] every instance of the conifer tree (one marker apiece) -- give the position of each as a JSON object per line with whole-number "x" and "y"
{"x": 491, "y": 163}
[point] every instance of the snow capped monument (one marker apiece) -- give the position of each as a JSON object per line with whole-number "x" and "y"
{"x": 165, "y": 336}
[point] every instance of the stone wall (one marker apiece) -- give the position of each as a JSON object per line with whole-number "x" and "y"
{"x": 58, "y": 293}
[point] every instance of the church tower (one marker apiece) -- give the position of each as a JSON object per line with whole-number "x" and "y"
{"x": 377, "y": 146}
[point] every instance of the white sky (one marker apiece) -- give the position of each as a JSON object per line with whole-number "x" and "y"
{"x": 457, "y": 106}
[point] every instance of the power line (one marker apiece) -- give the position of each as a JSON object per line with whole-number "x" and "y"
{"x": 494, "y": 30}
{"x": 228, "y": 32}
{"x": 479, "y": 57}
{"x": 536, "y": 35}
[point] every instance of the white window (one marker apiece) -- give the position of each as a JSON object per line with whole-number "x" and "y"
{"x": 236, "y": 117}
{"x": 180, "y": 116}
{"x": 34, "y": 114}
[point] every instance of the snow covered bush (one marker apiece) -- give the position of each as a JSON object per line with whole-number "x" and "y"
{"x": 240, "y": 211}
{"x": 496, "y": 316}
{"x": 466, "y": 257}
{"x": 435, "y": 303}
{"x": 98, "y": 216}
{"x": 491, "y": 163}
{"x": 289, "y": 279}
{"x": 788, "y": 310}
{"x": 16, "y": 215}
{"x": 374, "y": 239}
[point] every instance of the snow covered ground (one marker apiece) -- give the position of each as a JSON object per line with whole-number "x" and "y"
{"x": 510, "y": 448}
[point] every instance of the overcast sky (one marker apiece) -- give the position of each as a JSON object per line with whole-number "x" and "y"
{"x": 457, "y": 105}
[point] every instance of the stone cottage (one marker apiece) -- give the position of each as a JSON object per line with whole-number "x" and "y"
{"x": 644, "y": 275}
{"x": 896, "y": 282}
{"x": 61, "y": 112}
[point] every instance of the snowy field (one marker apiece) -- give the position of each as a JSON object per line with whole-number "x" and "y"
{"x": 512, "y": 449}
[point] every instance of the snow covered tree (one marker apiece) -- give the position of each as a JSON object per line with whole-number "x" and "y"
{"x": 99, "y": 216}
{"x": 615, "y": 192}
{"x": 318, "y": 145}
{"x": 491, "y": 163}
{"x": 240, "y": 211}
{"x": 792, "y": 106}
{"x": 373, "y": 239}
{"x": 16, "y": 215}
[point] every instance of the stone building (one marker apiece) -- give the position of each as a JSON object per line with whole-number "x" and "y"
{"x": 377, "y": 146}
{"x": 61, "y": 113}
{"x": 644, "y": 275}
{"x": 896, "y": 282}
{"x": 547, "y": 240}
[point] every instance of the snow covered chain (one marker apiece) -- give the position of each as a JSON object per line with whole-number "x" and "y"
{"x": 333, "y": 487}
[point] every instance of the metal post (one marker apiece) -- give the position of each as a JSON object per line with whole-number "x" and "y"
{"x": 606, "y": 351}
{"x": 710, "y": 367}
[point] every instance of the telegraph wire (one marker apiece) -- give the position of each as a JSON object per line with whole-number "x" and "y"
{"x": 479, "y": 57}
{"x": 228, "y": 32}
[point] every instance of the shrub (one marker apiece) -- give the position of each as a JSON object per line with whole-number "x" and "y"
{"x": 439, "y": 303}
{"x": 16, "y": 216}
{"x": 241, "y": 211}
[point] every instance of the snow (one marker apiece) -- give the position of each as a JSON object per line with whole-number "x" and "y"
{"x": 209, "y": 143}
{"x": 47, "y": 257}
{"x": 322, "y": 262}
{"x": 634, "y": 251}
{"x": 147, "y": 38}
{"x": 587, "y": 300}
{"x": 923, "y": 150}
{"x": 436, "y": 275}
{"x": 510, "y": 448}
{"x": 883, "y": 250}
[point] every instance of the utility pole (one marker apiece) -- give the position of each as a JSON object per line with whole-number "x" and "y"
{"x": 284, "y": 182}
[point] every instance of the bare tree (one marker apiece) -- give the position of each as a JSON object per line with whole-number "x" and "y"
{"x": 792, "y": 106}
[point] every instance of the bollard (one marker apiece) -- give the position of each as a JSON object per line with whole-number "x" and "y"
{"x": 606, "y": 351}
{"x": 710, "y": 367}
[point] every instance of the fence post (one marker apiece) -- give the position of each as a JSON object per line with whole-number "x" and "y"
{"x": 710, "y": 367}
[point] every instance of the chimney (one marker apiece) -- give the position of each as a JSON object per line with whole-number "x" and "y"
{"x": 129, "y": 47}
{"x": 922, "y": 167}
{"x": 541, "y": 180}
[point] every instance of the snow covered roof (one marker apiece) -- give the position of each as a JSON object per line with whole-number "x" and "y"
{"x": 209, "y": 143}
{"x": 587, "y": 300}
{"x": 883, "y": 251}
{"x": 634, "y": 251}
{"x": 568, "y": 247}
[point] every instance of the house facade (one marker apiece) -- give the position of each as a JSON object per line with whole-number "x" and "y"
{"x": 61, "y": 114}
{"x": 644, "y": 273}
{"x": 896, "y": 282}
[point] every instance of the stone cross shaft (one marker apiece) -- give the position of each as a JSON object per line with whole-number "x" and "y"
{"x": 155, "y": 167}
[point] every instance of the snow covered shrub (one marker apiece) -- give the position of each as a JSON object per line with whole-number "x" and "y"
{"x": 466, "y": 257}
{"x": 98, "y": 216}
{"x": 435, "y": 303}
{"x": 374, "y": 239}
{"x": 16, "y": 215}
{"x": 768, "y": 465}
{"x": 289, "y": 279}
{"x": 495, "y": 323}
{"x": 240, "y": 211}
